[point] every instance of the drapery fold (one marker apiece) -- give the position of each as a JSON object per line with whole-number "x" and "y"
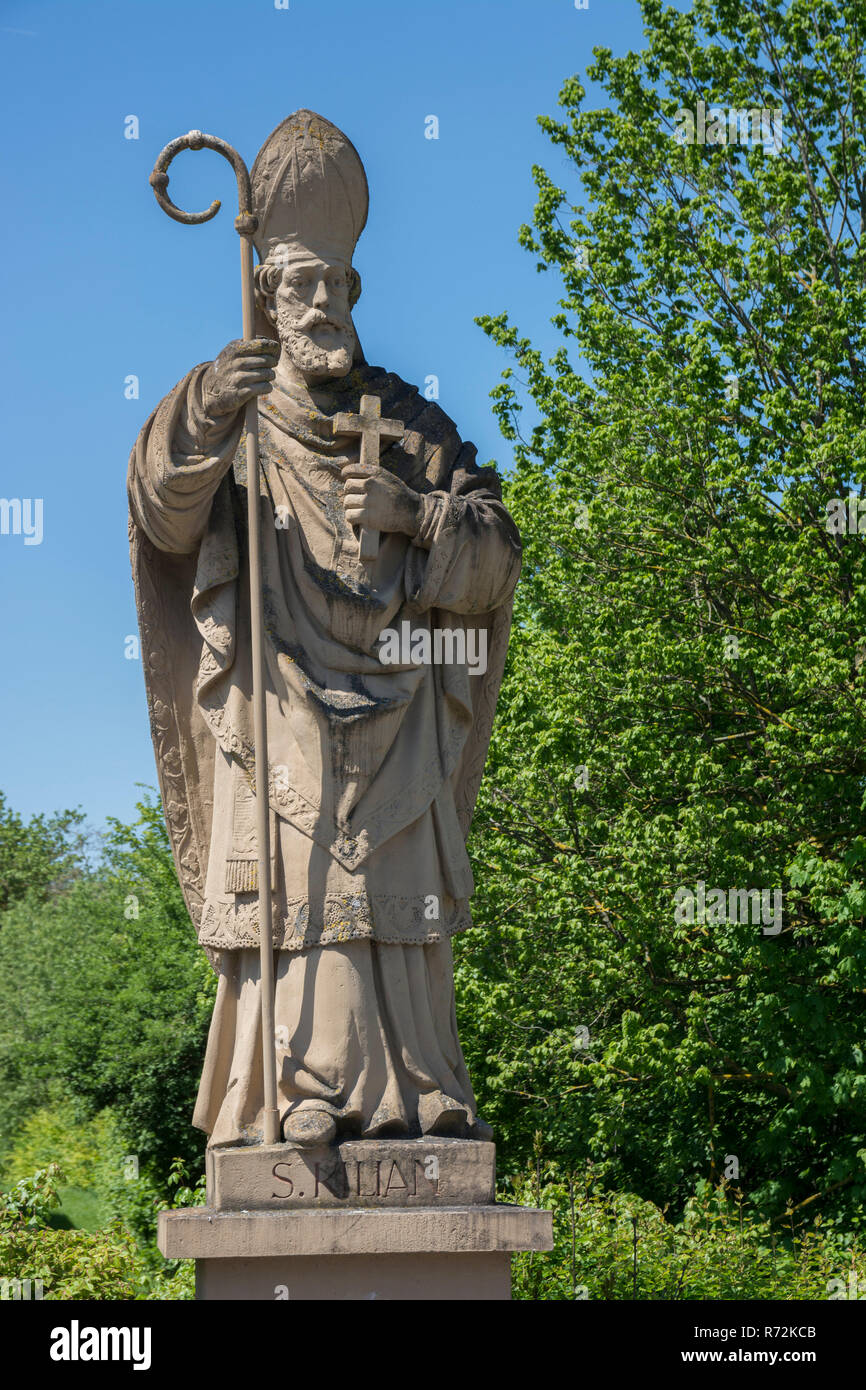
{"x": 365, "y": 1032}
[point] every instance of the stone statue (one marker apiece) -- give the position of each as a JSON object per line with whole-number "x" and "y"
{"x": 389, "y": 564}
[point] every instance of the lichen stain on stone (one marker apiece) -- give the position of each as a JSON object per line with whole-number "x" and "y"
{"x": 342, "y": 586}
{"x": 339, "y": 706}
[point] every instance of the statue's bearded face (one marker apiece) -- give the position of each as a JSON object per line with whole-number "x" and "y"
{"x": 310, "y": 307}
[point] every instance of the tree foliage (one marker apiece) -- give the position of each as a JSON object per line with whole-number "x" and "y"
{"x": 688, "y": 631}
{"x": 105, "y": 998}
{"x": 39, "y": 857}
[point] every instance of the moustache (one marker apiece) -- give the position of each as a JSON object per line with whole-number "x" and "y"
{"x": 314, "y": 318}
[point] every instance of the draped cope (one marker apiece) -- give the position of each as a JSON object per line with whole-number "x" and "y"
{"x": 373, "y": 769}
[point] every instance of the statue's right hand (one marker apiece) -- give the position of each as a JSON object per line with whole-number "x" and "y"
{"x": 242, "y": 370}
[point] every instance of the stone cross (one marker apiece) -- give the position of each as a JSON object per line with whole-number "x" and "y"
{"x": 372, "y": 429}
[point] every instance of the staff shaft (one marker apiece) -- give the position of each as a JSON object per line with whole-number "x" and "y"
{"x": 245, "y": 225}
{"x": 271, "y": 1116}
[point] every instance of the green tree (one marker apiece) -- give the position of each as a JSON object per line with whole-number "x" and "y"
{"x": 105, "y": 998}
{"x": 684, "y": 701}
{"x": 40, "y": 856}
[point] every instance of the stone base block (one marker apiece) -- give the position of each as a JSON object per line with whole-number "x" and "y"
{"x": 363, "y": 1253}
{"x": 358, "y": 1278}
{"x": 356, "y": 1173}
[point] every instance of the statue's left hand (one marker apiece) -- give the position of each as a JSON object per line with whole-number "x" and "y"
{"x": 379, "y": 501}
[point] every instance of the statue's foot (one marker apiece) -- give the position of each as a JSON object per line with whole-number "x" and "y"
{"x": 309, "y": 1129}
{"x": 441, "y": 1116}
{"x": 481, "y": 1130}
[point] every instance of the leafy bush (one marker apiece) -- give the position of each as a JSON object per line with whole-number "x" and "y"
{"x": 60, "y": 1264}
{"x": 58, "y": 1130}
{"x": 615, "y": 1246}
{"x": 69, "y": 1264}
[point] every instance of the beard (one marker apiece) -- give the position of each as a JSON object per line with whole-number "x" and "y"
{"x": 307, "y": 355}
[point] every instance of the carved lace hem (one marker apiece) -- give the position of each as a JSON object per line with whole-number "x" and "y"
{"x": 392, "y": 921}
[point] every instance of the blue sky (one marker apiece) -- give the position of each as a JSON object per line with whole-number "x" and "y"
{"x": 99, "y": 284}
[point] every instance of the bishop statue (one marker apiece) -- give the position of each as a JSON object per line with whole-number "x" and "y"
{"x": 375, "y": 520}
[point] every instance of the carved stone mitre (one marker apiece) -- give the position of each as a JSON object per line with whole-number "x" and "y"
{"x": 309, "y": 189}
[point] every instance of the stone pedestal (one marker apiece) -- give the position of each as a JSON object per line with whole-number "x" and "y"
{"x": 411, "y": 1219}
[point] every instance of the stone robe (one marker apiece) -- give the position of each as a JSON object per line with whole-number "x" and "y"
{"x": 373, "y": 769}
